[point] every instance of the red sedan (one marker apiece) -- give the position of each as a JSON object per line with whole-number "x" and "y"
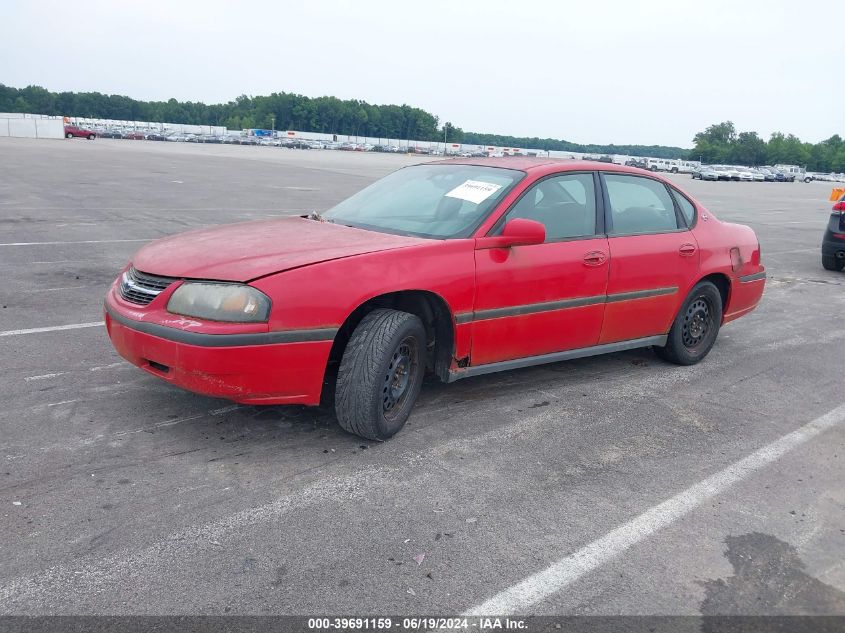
{"x": 458, "y": 268}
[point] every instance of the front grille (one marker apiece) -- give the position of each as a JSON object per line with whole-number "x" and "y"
{"x": 141, "y": 288}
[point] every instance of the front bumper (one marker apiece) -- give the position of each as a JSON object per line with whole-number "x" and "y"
{"x": 245, "y": 368}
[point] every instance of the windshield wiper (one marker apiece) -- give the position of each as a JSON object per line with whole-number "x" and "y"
{"x": 317, "y": 216}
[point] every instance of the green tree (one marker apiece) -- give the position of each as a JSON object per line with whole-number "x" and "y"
{"x": 452, "y": 134}
{"x": 747, "y": 149}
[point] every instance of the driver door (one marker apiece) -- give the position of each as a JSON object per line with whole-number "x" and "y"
{"x": 544, "y": 298}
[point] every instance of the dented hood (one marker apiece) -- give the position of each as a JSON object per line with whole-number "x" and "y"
{"x": 248, "y": 250}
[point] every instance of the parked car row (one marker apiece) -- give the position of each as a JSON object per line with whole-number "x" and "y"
{"x": 671, "y": 165}
{"x": 808, "y": 176}
{"x": 761, "y": 174}
{"x": 239, "y": 139}
{"x": 740, "y": 173}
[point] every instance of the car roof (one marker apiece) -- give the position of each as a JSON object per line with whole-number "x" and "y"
{"x": 533, "y": 165}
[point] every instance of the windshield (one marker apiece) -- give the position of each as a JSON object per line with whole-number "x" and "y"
{"x": 438, "y": 201}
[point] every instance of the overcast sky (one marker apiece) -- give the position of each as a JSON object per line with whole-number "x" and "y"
{"x": 590, "y": 72}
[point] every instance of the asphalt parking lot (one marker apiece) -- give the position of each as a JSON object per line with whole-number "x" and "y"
{"x": 120, "y": 494}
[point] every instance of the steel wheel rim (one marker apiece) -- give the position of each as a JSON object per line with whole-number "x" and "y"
{"x": 698, "y": 323}
{"x": 399, "y": 377}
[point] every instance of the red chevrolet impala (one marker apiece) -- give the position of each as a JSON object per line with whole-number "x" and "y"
{"x": 458, "y": 268}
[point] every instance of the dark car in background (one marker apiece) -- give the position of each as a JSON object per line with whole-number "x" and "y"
{"x": 782, "y": 176}
{"x": 73, "y": 131}
{"x": 833, "y": 244}
{"x": 768, "y": 173}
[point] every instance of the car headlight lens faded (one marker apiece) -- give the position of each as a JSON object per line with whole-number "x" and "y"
{"x": 234, "y": 303}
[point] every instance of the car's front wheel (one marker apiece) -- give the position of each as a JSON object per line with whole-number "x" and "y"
{"x": 380, "y": 374}
{"x": 90, "y": 137}
{"x": 695, "y": 328}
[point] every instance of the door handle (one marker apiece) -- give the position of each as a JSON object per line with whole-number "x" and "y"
{"x": 687, "y": 250}
{"x": 595, "y": 258}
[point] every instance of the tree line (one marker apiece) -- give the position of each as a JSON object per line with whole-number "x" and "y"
{"x": 286, "y": 111}
{"x": 720, "y": 143}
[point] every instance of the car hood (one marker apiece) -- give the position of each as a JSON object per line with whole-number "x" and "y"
{"x": 248, "y": 250}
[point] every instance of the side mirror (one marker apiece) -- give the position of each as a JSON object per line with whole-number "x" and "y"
{"x": 517, "y": 232}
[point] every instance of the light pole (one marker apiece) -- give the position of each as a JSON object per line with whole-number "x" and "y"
{"x": 273, "y": 119}
{"x": 445, "y": 129}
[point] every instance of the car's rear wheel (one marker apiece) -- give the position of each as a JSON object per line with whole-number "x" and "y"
{"x": 829, "y": 262}
{"x": 90, "y": 137}
{"x": 68, "y": 135}
{"x": 695, "y": 328}
{"x": 380, "y": 374}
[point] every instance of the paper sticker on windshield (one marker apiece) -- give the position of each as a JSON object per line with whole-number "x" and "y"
{"x": 474, "y": 191}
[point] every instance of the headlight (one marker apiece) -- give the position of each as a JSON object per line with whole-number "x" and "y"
{"x": 236, "y": 303}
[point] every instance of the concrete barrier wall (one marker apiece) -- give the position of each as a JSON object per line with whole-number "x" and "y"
{"x": 27, "y": 115}
{"x": 32, "y": 127}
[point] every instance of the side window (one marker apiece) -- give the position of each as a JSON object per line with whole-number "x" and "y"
{"x": 687, "y": 207}
{"x": 639, "y": 205}
{"x": 565, "y": 205}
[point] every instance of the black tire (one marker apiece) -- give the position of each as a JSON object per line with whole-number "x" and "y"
{"x": 68, "y": 135}
{"x": 90, "y": 137}
{"x": 695, "y": 328}
{"x": 829, "y": 262}
{"x": 380, "y": 374}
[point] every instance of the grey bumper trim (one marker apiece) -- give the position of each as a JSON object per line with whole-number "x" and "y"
{"x": 755, "y": 277}
{"x": 641, "y": 294}
{"x": 548, "y": 306}
{"x": 463, "y": 317}
{"x": 224, "y": 340}
{"x": 531, "y": 308}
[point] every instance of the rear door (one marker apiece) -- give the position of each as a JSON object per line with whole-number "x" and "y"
{"x": 653, "y": 257}
{"x": 544, "y": 298}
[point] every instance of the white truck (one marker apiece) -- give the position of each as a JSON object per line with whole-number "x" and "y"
{"x": 799, "y": 173}
{"x": 673, "y": 165}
